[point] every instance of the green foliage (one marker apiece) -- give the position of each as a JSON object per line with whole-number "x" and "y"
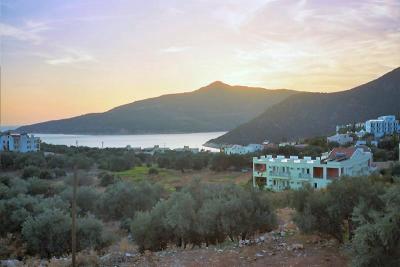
{"x": 38, "y": 186}
{"x": 59, "y": 172}
{"x": 118, "y": 163}
{"x": 86, "y": 198}
{"x": 182, "y": 160}
{"x": 153, "y": 171}
{"x": 107, "y": 178}
{"x": 203, "y": 214}
{"x": 47, "y": 234}
{"x": 123, "y": 199}
{"x": 30, "y": 171}
{"x": 7, "y": 160}
{"x": 222, "y": 162}
{"x": 91, "y": 234}
{"x": 81, "y": 162}
{"x": 45, "y": 174}
{"x": 331, "y": 211}
{"x": 377, "y": 239}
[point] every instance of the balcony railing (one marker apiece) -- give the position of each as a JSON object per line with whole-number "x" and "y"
{"x": 260, "y": 173}
{"x": 304, "y": 175}
{"x": 280, "y": 174}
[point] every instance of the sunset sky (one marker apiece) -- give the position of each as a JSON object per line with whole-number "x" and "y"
{"x": 65, "y": 58}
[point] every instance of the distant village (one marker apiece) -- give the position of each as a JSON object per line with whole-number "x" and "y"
{"x": 351, "y": 155}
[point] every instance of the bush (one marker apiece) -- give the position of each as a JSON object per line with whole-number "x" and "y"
{"x": 7, "y": 160}
{"x": 123, "y": 199}
{"x": 30, "y": 171}
{"x": 45, "y": 174}
{"x": 38, "y": 186}
{"x": 201, "y": 213}
{"x": 107, "y": 178}
{"x": 90, "y": 234}
{"x": 377, "y": 239}
{"x": 59, "y": 172}
{"x": 47, "y": 234}
{"x": 153, "y": 171}
{"x": 86, "y": 198}
{"x": 331, "y": 211}
{"x": 84, "y": 179}
{"x": 118, "y": 163}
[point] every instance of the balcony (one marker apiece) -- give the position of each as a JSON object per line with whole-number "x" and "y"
{"x": 279, "y": 174}
{"x": 260, "y": 174}
{"x": 304, "y": 176}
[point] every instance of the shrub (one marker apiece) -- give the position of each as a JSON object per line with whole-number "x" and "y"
{"x": 47, "y": 234}
{"x": 38, "y": 186}
{"x": 30, "y": 171}
{"x": 84, "y": 179}
{"x": 45, "y": 174}
{"x": 59, "y": 172}
{"x": 90, "y": 234}
{"x": 86, "y": 198}
{"x": 331, "y": 211}
{"x": 124, "y": 199}
{"x": 202, "y": 213}
{"x": 107, "y": 178}
{"x": 7, "y": 160}
{"x": 377, "y": 239}
{"x": 153, "y": 171}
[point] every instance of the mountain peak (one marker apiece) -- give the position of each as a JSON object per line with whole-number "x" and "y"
{"x": 217, "y": 84}
{"x": 214, "y": 86}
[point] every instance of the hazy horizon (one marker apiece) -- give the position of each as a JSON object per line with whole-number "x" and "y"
{"x": 61, "y": 59}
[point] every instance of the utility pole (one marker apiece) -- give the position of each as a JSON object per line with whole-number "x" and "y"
{"x": 73, "y": 228}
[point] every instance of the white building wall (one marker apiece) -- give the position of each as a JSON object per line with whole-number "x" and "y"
{"x": 280, "y": 173}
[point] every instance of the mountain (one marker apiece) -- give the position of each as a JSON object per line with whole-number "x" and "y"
{"x": 313, "y": 114}
{"x": 216, "y": 107}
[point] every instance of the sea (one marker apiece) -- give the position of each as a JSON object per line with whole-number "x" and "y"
{"x": 194, "y": 140}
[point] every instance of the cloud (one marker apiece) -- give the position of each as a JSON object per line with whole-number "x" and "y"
{"x": 175, "y": 49}
{"x": 28, "y": 33}
{"x": 71, "y": 57}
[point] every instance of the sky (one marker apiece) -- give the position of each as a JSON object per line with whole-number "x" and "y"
{"x": 65, "y": 58}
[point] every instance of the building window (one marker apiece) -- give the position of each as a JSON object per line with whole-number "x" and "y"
{"x": 315, "y": 185}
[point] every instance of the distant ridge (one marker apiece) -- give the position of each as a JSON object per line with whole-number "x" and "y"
{"x": 215, "y": 107}
{"x": 312, "y": 114}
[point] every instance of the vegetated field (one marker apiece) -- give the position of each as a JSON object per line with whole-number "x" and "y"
{"x": 172, "y": 179}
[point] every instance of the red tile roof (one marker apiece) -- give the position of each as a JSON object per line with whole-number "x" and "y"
{"x": 338, "y": 151}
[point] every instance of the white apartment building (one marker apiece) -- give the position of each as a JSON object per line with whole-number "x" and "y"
{"x": 279, "y": 173}
{"x": 341, "y": 139}
{"x": 382, "y": 126}
{"x": 242, "y": 150}
{"x": 19, "y": 142}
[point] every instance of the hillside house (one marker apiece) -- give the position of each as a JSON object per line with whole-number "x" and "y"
{"x": 341, "y": 139}
{"x": 242, "y": 150}
{"x": 382, "y": 126}
{"x": 279, "y": 173}
{"x": 16, "y": 142}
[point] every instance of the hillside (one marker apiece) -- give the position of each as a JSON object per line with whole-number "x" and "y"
{"x": 216, "y": 107}
{"x": 312, "y": 114}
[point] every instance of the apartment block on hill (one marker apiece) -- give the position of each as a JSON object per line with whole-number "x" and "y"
{"x": 279, "y": 173}
{"x": 341, "y": 139}
{"x": 382, "y": 126}
{"x": 16, "y": 142}
{"x": 242, "y": 150}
